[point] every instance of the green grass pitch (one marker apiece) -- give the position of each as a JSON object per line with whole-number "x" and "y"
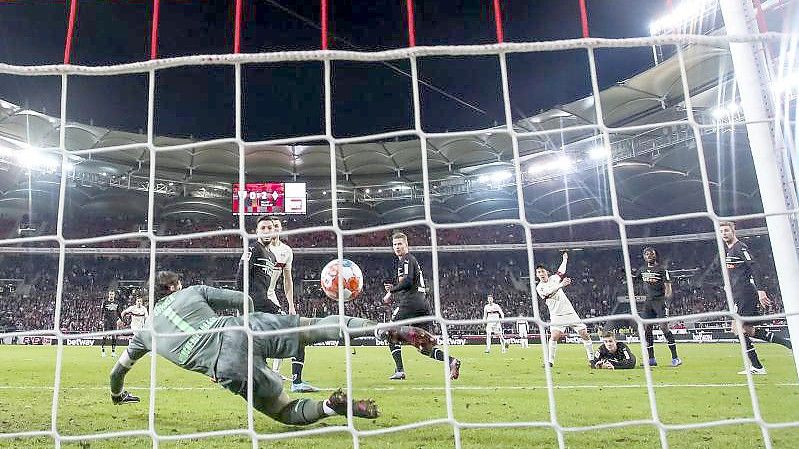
{"x": 493, "y": 388}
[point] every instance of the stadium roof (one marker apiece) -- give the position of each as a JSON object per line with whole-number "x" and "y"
{"x": 656, "y": 170}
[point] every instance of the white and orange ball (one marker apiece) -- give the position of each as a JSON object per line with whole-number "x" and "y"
{"x": 351, "y": 279}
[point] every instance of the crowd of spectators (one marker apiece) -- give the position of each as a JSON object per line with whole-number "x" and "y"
{"x": 28, "y": 282}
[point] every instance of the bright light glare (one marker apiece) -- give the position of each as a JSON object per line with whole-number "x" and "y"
{"x": 725, "y": 111}
{"x": 686, "y": 12}
{"x": 559, "y": 164}
{"x": 599, "y": 152}
{"x": 786, "y": 83}
{"x": 495, "y": 177}
{"x": 32, "y": 159}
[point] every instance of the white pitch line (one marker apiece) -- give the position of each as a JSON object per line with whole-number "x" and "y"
{"x": 461, "y": 388}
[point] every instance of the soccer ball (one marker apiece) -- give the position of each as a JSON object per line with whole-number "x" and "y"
{"x": 351, "y": 279}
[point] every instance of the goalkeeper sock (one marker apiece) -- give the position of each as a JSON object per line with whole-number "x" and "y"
{"x": 553, "y": 347}
{"x": 771, "y": 337}
{"x": 354, "y": 326}
{"x": 750, "y": 351}
{"x": 301, "y": 412}
{"x": 671, "y": 343}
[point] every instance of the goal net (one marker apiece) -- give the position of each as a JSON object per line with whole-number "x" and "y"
{"x": 720, "y": 85}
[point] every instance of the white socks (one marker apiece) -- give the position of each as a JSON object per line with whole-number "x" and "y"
{"x": 553, "y": 347}
{"x": 589, "y": 349}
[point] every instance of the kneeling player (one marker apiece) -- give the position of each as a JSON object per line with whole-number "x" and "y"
{"x": 613, "y": 354}
{"x": 561, "y": 312}
{"x": 223, "y": 355}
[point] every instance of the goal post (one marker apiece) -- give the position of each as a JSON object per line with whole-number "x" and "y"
{"x": 777, "y": 186}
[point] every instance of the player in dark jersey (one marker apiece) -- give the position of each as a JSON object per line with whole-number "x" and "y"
{"x": 263, "y": 266}
{"x": 409, "y": 293}
{"x": 111, "y": 316}
{"x": 182, "y": 314}
{"x": 657, "y": 280}
{"x": 613, "y": 354}
{"x": 261, "y": 263}
{"x": 748, "y": 291}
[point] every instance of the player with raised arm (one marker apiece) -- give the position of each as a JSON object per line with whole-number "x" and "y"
{"x": 223, "y": 354}
{"x": 657, "y": 280}
{"x": 613, "y": 354}
{"x": 111, "y": 317}
{"x": 137, "y": 313}
{"x": 748, "y": 291}
{"x": 265, "y": 268}
{"x": 561, "y": 312}
{"x": 409, "y": 291}
{"x": 492, "y": 312}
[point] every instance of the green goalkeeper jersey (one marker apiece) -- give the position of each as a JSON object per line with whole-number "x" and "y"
{"x": 188, "y": 310}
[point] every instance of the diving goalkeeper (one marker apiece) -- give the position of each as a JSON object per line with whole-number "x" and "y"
{"x": 223, "y": 355}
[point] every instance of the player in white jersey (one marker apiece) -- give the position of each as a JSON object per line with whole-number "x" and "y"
{"x": 492, "y": 312}
{"x": 284, "y": 258}
{"x": 523, "y": 327}
{"x": 561, "y": 312}
{"x": 137, "y": 313}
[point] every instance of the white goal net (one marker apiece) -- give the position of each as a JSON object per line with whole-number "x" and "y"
{"x": 756, "y": 60}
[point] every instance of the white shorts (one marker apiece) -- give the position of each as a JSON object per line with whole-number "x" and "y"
{"x": 561, "y": 323}
{"x": 523, "y": 331}
{"x": 494, "y": 328}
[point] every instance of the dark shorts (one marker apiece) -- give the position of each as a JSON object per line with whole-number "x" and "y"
{"x": 746, "y": 303}
{"x": 654, "y": 308}
{"x": 747, "y": 308}
{"x": 268, "y": 307}
{"x": 110, "y": 324}
{"x": 415, "y": 308}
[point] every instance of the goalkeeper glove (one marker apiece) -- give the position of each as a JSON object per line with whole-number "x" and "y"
{"x": 124, "y": 398}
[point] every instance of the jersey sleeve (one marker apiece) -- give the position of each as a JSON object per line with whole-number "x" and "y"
{"x": 547, "y": 289}
{"x": 246, "y": 258}
{"x": 757, "y": 275}
{"x": 290, "y": 259}
{"x": 625, "y": 360}
{"x": 220, "y": 298}
{"x": 562, "y": 269}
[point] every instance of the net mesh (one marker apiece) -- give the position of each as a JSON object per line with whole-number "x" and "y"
{"x": 413, "y": 55}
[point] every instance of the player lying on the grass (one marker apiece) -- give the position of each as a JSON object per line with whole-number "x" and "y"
{"x": 561, "y": 311}
{"x": 613, "y": 354}
{"x": 223, "y": 355}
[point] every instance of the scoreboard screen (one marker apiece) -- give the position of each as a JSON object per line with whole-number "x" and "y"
{"x": 270, "y": 198}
